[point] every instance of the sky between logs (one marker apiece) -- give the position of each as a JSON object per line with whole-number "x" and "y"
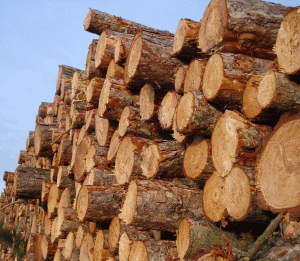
{"x": 37, "y": 36}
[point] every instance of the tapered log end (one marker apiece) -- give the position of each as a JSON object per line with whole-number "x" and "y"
{"x": 213, "y": 25}
{"x": 185, "y": 111}
{"x": 138, "y": 252}
{"x": 151, "y": 159}
{"x": 287, "y": 45}
{"x": 237, "y": 194}
{"x": 147, "y": 98}
{"x": 130, "y": 203}
{"x": 267, "y": 89}
{"x": 213, "y": 198}
{"x": 277, "y": 168}
{"x": 82, "y": 203}
{"x": 167, "y": 110}
{"x": 183, "y": 238}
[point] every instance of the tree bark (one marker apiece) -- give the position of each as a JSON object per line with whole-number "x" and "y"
{"x": 98, "y": 203}
{"x": 287, "y": 43}
{"x": 97, "y": 21}
{"x": 160, "y": 205}
{"x": 241, "y": 27}
{"x": 226, "y": 75}
{"x": 28, "y": 182}
{"x": 64, "y": 72}
{"x": 195, "y": 116}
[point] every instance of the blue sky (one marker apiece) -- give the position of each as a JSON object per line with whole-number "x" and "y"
{"x": 37, "y": 36}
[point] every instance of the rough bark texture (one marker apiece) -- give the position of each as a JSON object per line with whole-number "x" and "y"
{"x": 241, "y": 27}
{"x": 28, "y": 182}
{"x": 157, "y": 204}
{"x": 43, "y": 139}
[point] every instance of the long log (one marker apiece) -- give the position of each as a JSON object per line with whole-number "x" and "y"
{"x": 160, "y": 205}
{"x": 241, "y": 27}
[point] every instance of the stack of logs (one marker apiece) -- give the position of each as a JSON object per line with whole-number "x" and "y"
{"x": 165, "y": 137}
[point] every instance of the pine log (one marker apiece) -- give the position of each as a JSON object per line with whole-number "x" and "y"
{"x": 179, "y": 78}
{"x": 98, "y": 203}
{"x": 64, "y": 72}
{"x": 167, "y": 109}
{"x": 91, "y": 70}
{"x": 277, "y": 169}
{"x": 241, "y": 27}
{"x": 150, "y": 61}
{"x": 79, "y": 85}
{"x": 176, "y": 135}
{"x": 77, "y": 113}
{"x": 152, "y": 250}
{"x": 194, "y": 235}
{"x": 128, "y": 163}
{"x": 43, "y": 140}
{"x": 101, "y": 251}
{"x": 160, "y": 205}
{"x": 63, "y": 179}
{"x": 87, "y": 247}
{"x": 5, "y": 175}
{"x": 57, "y": 134}
{"x": 287, "y": 43}
{"x": 195, "y": 116}
{"x": 100, "y": 177}
{"x": 81, "y": 232}
{"x": 149, "y": 102}
{"x": 235, "y": 141}
{"x": 113, "y": 98}
{"x": 46, "y": 185}
{"x": 30, "y": 140}
{"x": 66, "y": 87}
{"x": 197, "y": 161}
{"x": 28, "y": 182}
{"x": 93, "y": 91}
{"x": 97, "y": 21}
{"x": 44, "y": 250}
{"x": 56, "y": 102}
{"x": 92, "y": 51}
{"x": 114, "y": 146}
{"x": 90, "y": 121}
{"x": 53, "y": 199}
{"x": 66, "y": 198}
{"x": 42, "y": 112}
{"x": 185, "y": 45}
{"x": 104, "y": 130}
{"x": 226, "y": 75}
{"x": 162, "y": 160}
{"x": 64, "y": 154}
{"x": 70, "y": 252}
{"x": 62, "y": 112}
{"x": 115, "y": 70}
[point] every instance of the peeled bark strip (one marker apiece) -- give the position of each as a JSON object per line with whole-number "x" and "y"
{"x": 193, "y": 79}
{"x": 195, "y": 116}
{"x": 97, "y": 21}
{"x": 152, "y": 250}
{"x": 150, "y": 62}
{"x": 287, "y": 43}
{"x": 162, "y": 159}
{"x": 104, "y": 130}
{"x": 129, "y": 159}
{"x": 98, "y": 203}
{"x": 241, "y": 27}
{"x": 185, "y": 46}
{"x": 64, "y": 72}
{"x": 79, "y": 85}
{"x": 160, "y": 205}
{"x": 87, "y": 247}
{"x": 194, "y": 235}
{"x": 28, "y": 182}
{"x": 179, "y": 78}
{"x": 234, "y": 141}
{"x": 43, "y": 140}
{"x": 197, "y": 160}
{"x": 93, "y": 91}
{"x": 113, "y": 98}
{"x": 226, "y": 75}
{"x": 277, "y": 168}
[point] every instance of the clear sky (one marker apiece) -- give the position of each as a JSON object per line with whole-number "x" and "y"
{"x": 37, "y": 36}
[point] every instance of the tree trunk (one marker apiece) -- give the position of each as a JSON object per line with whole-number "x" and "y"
{"x": 150, "y": 61}
{"x": 104, "y": 130}
{"x": 64, "y": 72}
{"x": 226, "y": 75}
{"x": 98, "y": 203}
{"x": 113, "y": 98}
{"x": 160, "y": 205}
{"x": 235, "y": 141}
{"x": 197, "y": 161}
{"x": 240, "y": 27}
{"x": 93, "y": 91}
{"x": 195, "y": 116}
{"x": 287, "y": 43}
{"x": 28, "y": 182}
{"x": 97, "y": 21}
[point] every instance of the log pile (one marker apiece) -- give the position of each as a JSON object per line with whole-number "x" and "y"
{"x": 165, "y": 137}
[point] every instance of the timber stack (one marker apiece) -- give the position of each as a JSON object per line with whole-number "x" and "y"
{"x": 165, "y": 141}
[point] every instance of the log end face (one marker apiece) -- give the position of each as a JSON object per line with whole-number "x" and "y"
{"x": 151, "y": 159}
{"x": 267, "y": 89}
{"x": 130, "y": 204}
{"x": 185, "y": 111}
{"x": 100, "y": 50}
{"x": 82, "y": 203}
{"x": 124, "y": 123}
{"x": 104, "y": 97}
{"x": 147, "y": 98}
{"x": 194, "y": 76}
{"x": 86, "y": 248}
{"x": 88, "y": 20}
{"x": 179, "y": 37}
{"x": 138, "y": 252}
{"x": 176, "y": 135}
{"x": 114, "y": 233}
{"x": 124, "y": 247}
{"x": 167, "y": 110}
{"x": 183, "y": 239}
{"x": 179, "y": 79}
{"x": 114, "y": 145}
{"x": 102, "y": 127}
{"x": 69, "y": 243}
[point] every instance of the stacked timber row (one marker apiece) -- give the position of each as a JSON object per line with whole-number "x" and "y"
{"x": 164, "y": 137}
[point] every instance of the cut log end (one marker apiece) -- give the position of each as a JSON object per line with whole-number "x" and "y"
{"x": 114, "y": 145}
{"x": 124, "y": 123}
{"x": 104, "y": 97}
{"x": 179, "y": 78}
{"x": 130, "y": 203}
{"x": 194, "y": 76}
{"x": 167, "y": 110}
{"x": 114, "y": 232}
{"x": 147, "y": 98}
{"x": 102, "y": 126}
{"x": 82, "y": 203}
{"x": 176, "y": 135}
{"x": 185, "y": 110}
{"x": 138, "y": 252}
{"x": 183, "y": 238}
{"x": 88, "y": 20}
{"x": 179, "y": 37}
{"x": 124, "y": 247}
{"x": 267, "y": 89}
{"x": 213, "y": 198}
{"x": 151, "y": 159}
{"x": 68, "y": 248}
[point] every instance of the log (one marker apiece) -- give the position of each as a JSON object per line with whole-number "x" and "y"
{"x": 167, "y": 109}
{"x": 176, "y": 135}
{"x": 122, "y": 47}
{"x": 43, "y": 108}
{"x": 90, "y": 121}
{"x": 64, "y": 154}
{"x": 44, "y": 250}
{"x": 276, "y": 168}
{"x": 53, "y": 199}
{"x": 104, "y": 130}
{"x": 70, "y": 252}
{"x": 64, "y": 72}
{"x": 87, "y": 247}
{"x": 91, "y": 70}
{"x": 115, "y": 70}
{"x": 160, "y": 205}
{"x": 81, "y": 232}
{"x": 43, "y": 140}
{"x": 100, "y": 177}
{"x": 46, "y": 185}
{"x": 197, "y": 160}
{"x": 185, "y": 45}
{"x": 114, "y": 146}
{"x": 97, "y": 21}
{"x": 287, "y": 43}
{"x": 66, "y": 198}
{"x": 28, "y": 182}
{"x": 179, "y": 78}
{"x": 226, "y": 75}
{"x": 63, "y": 179}
{"x": 62, "y": 112}
{"x": 92, "y": 51}
{"x": 150, "y": 62}
{"x": 195, "y": 116}
{"x": 66, "y": 87}
{"x": 79, "y": 85}
{"x": 148, "y": 102}
{"x": 98, "y": 203}
{"x": 241, "y": 27}
{"x": 101, "y": 251}
{"x": 94, "y": 90}
{"x": 30, "y": 140}
{"x": 236, "y": 140}
{"x": 113, "y": 98}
